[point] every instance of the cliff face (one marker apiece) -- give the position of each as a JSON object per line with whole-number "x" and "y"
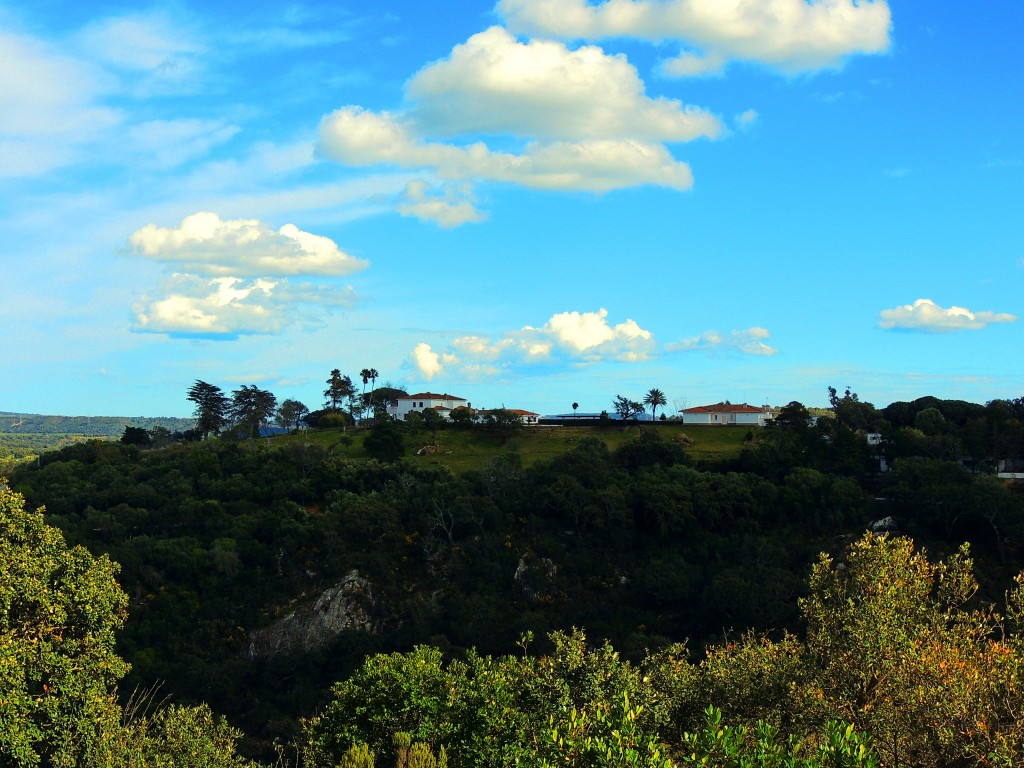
{"x": 347, "y": 605}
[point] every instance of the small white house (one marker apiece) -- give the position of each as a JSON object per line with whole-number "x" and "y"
{"x": 443, "y": 404}
{"x": 725, "y": 414}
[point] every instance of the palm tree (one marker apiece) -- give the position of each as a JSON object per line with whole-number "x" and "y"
{"x": 365, "y": 376}
{"x": 372, "y": 376}
{"x": 654, "y": 398}
{"x": 574, "y": 407}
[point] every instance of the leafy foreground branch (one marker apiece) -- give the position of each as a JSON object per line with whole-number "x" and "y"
{"x": 894, "y": 649}
{"x": 59, "y": 610}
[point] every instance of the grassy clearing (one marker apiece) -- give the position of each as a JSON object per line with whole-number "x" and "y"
{"x": 463, "y": 450}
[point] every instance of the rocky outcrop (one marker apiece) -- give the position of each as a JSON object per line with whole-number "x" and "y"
{"x": 348, "y": 605}
{"x": 535, "y": 576}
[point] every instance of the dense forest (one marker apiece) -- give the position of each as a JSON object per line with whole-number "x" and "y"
{"x": 809, "y": 599}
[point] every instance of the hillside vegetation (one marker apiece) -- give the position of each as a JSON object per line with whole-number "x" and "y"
{"x": 258, "y": 572}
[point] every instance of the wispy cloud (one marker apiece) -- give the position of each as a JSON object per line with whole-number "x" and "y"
{"x": 52, "y": 105}
{"x": 927, "y": 316}
{"x": 750, "y": 342}
{"x": 224, "y": 308}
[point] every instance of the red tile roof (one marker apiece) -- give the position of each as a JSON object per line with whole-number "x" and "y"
{"x": 724, "y": 408}
{"x": 431, "y": 396}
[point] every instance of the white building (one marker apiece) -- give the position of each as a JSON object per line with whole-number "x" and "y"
{"x": 725, "y": 414}
{"x": 443, "y": 404}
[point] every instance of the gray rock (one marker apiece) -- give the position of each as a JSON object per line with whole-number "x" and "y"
{"x": 348, "y": 605}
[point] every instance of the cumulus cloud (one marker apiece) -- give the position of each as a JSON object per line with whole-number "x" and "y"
{"x": 493, "y": 84}
{"x": 205, "y": 244}
{"x": 587, "y": 337}
{"x": 428, "y": 362}
{"x": 749, "y": 342}
{"x": 927, "y": 316}
{"x": 358, "y": 137}
{"x": 229, "y": 277}
{"x": 790, "y": 36}
{"x": 535, "y": 114}
{"x": 573, "y": 338}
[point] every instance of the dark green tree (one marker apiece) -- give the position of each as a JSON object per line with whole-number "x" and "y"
{"x": 385, "y": 441}
{"x": 211, "y": 407}
{"x": 627, "y": 409}
{"x": 251, "y": 408}
{"x": 136, "y": 436}
{"x": 290, "y": 413}
{"x": 339, "y": 389}
{"x": 505, "y": 422}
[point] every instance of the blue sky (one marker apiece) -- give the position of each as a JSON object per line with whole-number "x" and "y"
{"x": 525, "y": 203}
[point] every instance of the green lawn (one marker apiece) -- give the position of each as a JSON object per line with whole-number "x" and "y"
{"x": 467, "y": 449}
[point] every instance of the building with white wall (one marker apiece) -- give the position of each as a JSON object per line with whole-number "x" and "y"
{"x": 725, "y": 414}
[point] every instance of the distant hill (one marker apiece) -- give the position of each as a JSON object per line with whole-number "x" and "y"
{"x": 89, "y": 426}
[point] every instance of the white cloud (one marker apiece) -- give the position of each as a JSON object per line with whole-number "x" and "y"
{"x": 689, "y": 64}
{"x": 229, "y": 277}
{"x": 925, "y": 315}
{"x": 359, "y": 137}
{"x": 426, "y": 361}
{"x": 535, "y": 114}
{"x": 227, "y": 307}
{"x": 749, "y": 342}
{"x": 451, "y": 208}
{"x": 568, "y": 338}
{"x": 746, "y": 120}
{"x": 789, "y": 35}
{"x": 588, "y": 337}
{"x": 495, "y": 85}
{"x": 204, "y": 243}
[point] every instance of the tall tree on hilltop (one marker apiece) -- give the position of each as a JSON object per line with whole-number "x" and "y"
{"x": 339, "y": 388}
{"x": 211, "y": 407}
{"x": 252, "y": 407}
{"x": 290, "y": 413}
{"x": 654, "y": 398}
{"x": 373, "y": 379}
{"x": 627, "y": 409}
{"x": 365, "y": 376}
